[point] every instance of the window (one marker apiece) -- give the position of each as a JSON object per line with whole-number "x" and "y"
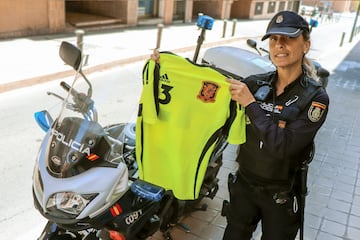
{"x": 259, "y": 8}
{"x": 282, "y": 6}
{"x": 145, "y": 7}
{"x": 289, "y": 6}
{"x": 271, "y": 7}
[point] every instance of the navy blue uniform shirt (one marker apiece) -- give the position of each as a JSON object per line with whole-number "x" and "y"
{"x": 276, "y": 145}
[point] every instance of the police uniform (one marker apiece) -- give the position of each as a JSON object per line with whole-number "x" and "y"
{"x": 278, "y": 137}
{"x": 280, "y": 131}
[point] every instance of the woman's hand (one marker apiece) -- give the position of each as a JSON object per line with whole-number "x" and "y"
{"x": 240, "y": 92}
{"x": 155, "y": 56}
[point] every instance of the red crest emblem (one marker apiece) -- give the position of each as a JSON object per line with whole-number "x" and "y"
{"x": 208, "y": 92}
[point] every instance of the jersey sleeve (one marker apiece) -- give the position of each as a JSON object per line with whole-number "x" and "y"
{"x": 148, "y": 98}
{"x": 237, "y": 133}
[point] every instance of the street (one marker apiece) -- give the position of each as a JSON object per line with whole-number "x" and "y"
{"x": 21, "y": 137}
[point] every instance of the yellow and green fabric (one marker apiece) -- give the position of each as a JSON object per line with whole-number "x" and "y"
{"x": 184, "y": 109}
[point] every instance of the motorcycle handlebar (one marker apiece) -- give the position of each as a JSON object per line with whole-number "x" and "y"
{"x": 68, "y": 88}
{"x": 65, "y": 86}
{"x": 264, "y": 50}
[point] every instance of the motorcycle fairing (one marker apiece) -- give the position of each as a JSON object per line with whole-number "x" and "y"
{"x": 83, "y": 183}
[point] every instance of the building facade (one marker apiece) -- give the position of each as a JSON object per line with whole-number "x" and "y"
{"x": 333, "y": 5}
{"x": 19, "y": 18}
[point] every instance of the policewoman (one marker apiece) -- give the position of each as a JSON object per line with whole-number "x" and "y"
{"x": 285, "y": 110}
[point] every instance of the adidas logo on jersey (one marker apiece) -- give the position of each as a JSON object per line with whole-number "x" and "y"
{"x": 164, "y": 78}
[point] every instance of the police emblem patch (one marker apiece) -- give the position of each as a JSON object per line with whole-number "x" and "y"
{"x": 208, "y": 91}
{"x": 316, "y": 111}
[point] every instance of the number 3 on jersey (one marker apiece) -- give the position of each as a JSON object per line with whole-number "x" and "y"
{"x": 166, "y": 97}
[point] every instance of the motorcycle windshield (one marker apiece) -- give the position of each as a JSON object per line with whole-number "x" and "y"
{"x": 77, "y": 141}
{"x": 76, "y": 145}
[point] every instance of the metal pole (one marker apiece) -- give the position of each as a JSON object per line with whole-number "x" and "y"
{"x": 80, "y": 38}
{"x": 201, "y": 39}
{"x": 160, "y": 28}
{"x": 354, "y": 26}
{"x": 80, "y": 44}
{"x": 233, "y": 28}
{"x": 224, "y": 28}
{"x": 342, "y": 39}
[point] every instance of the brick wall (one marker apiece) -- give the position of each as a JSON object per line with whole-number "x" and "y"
{"x": 24, "y": 17}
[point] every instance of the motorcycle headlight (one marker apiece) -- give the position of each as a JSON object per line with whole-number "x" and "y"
{"x": 68, "y": 204}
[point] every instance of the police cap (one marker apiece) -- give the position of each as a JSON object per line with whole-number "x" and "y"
{"x": 286, "y": 23}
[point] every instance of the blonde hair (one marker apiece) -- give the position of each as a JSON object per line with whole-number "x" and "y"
{"x": 309, "y": 68}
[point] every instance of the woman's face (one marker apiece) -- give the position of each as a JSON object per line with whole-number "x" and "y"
{"x": 287, "y": 52}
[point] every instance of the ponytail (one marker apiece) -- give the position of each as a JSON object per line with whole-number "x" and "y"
{"x": 308, "y": 67}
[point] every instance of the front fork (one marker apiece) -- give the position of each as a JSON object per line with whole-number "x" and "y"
{"x": 53, "y": 232}
{"x": 49, "y": 231}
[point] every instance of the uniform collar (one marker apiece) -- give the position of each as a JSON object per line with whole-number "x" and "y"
{"x": 299, "y": 80}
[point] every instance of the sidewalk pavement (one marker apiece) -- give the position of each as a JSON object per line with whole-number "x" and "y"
{"x": 33, "y": 60}
{"x": 333, "y": 203}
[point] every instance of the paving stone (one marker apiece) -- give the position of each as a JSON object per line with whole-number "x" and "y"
{"x": 352, "y": 233}
{"x": 333, "y": 228}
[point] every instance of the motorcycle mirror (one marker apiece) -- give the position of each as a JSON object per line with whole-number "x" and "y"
{"x": 322, "y": 72}
{"x": 43, "y": 119}
{"x": 70, "y": 54}
{"x": 251, "y": 43}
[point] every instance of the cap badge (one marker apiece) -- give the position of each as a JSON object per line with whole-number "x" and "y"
{"x": 279, "y": 19}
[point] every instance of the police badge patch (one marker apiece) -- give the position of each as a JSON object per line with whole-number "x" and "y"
{"x": 316, "y": 111}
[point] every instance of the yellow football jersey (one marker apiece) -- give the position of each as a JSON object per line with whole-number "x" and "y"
{"x": 184, "y": 109}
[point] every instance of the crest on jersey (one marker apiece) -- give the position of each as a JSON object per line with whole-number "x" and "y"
{"x": 208, "y": 92}
{"x": 316, "y": 111}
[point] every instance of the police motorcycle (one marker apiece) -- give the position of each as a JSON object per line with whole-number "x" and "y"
{"x": 85, "y": 179}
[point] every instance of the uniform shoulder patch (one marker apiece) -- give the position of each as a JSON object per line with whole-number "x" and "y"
{"x": 316, "y": 111}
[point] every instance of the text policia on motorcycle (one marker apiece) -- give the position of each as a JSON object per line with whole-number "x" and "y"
{"x": 284, "y": 110}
